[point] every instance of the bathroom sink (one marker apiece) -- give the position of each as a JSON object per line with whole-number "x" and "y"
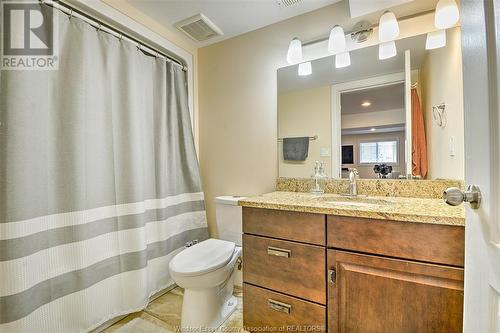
{"x": 358, "y": 201}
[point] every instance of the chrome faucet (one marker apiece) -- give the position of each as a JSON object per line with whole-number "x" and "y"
{"x": 353, "y": 175}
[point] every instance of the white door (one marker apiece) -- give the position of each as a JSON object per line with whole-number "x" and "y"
{"x": 481, "y": 65}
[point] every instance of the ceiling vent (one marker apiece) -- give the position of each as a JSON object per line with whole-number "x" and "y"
{"x": 288, "y": 3}
{"x": 199, "y": 28}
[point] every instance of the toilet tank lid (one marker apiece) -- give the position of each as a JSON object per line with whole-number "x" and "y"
{"x": 228, "y": 199}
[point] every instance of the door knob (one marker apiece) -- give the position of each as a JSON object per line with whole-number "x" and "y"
{"x": 454, "y": 196}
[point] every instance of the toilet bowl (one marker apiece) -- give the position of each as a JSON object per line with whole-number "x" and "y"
{"x": 206, "y": 272}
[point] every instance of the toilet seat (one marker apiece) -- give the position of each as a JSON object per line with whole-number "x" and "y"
{"x": 202, "y": 258}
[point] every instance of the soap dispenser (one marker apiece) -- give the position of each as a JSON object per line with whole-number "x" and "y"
{"x": 319, "y": 178}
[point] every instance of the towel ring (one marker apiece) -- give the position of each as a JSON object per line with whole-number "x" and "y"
{"x": 439, "y": 114}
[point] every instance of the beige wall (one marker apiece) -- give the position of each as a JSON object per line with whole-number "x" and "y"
{"x": 441, "y": 78}
{"x": 305, "y": 113}
{"x": 365, "y": 170}
{"x": 238, "y": 101}
{"x": 238, "y": 104}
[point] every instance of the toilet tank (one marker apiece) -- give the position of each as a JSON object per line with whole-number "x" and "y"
{"x": 228, "y": 218}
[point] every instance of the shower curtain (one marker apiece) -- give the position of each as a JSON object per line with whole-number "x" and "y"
{"x": 99, "y": 183}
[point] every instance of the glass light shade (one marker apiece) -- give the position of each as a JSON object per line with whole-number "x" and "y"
{"x": 336, "y": 42}
{"x": 435, "y": 40}
{"x": 388, "y": 28}
{"x": 342, "y": 60}
{"x": 305, "y": 69}
{"x": 387, "y": 50}
{"x": 446, "y": 14}
{"x": 294, "y": 54}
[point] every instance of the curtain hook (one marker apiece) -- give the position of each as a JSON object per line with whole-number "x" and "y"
{"x": 138, "y": 47}
{"x": 71, "y": 14}
{"x": 121, "y": 36}
{"x": 99, "y": 27}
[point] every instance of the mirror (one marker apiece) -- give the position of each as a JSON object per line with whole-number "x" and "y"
{"x": 387, "y": 118}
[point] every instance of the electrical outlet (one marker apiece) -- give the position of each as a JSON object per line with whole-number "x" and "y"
{"x": 451, "y": 146}
{"x": 324, "y": 152}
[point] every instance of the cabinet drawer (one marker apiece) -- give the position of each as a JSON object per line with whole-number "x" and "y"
{"x": 296, "y": 226}
{"x": 268, "y": 311}
{"x": 288, "y": 267}
{"x": 442, "y": 244}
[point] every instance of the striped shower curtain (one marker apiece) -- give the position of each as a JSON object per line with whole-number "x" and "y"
{"x": 99, "y": 183}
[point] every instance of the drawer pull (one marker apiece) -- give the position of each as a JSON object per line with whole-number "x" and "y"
{"x": 279, "y": 306}
{"x": 276, "y": 251}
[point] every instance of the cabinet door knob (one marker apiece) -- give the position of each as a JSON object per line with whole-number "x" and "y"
{"x": 332, "y": 276}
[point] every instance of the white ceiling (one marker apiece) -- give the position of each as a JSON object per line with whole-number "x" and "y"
{"x": 381, "y": 98}
{"x": 364, "y": 64}
{"x": 233, "y": 17}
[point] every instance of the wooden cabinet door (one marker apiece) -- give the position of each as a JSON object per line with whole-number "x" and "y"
{"x": 371, "y": 294}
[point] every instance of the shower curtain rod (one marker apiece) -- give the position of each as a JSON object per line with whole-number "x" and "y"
{"x": 100, "y": 25}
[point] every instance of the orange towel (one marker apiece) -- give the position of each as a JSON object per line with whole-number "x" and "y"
{"x": 419, "y": 144}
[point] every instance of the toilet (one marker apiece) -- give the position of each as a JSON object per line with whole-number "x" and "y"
{"x": 207, "y": 271}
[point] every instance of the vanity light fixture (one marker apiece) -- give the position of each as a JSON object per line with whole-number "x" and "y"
{"x": 361, "y": 31}
{"x": 446, "y": 14}
{"x": 336, "y": 42}
{"x": 294, "y": 54}
{"x": 388, "y": 28}
{"x": 387, "y": 50}
{"x": 366, "y": 104}
{"x": 305, "y": 69}
{"x": 435, "y": 39}
{"x": 342, "y": 60}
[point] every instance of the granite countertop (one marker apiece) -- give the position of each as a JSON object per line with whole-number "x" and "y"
{"x": 422, "y": 210}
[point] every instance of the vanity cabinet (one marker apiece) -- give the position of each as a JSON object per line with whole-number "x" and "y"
{"x": 306, "y": 271}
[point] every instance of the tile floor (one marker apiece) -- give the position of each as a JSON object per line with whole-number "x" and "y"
{"x": 163, "y": 315}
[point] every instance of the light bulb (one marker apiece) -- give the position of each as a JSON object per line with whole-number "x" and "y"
{"x": 388, "y": 28}
{"x": 336, "y": 42}
{"x": 305, "y": 69}
{"x": 387, "y": 50}
{"x": 342, "y": 60}
{"x": 435, "y": 40}
{"x": 446, "y": 14}
{"x": 294, "y": 54}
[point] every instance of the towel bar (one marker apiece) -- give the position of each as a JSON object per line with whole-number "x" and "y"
{"x": 311, "y": 138}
